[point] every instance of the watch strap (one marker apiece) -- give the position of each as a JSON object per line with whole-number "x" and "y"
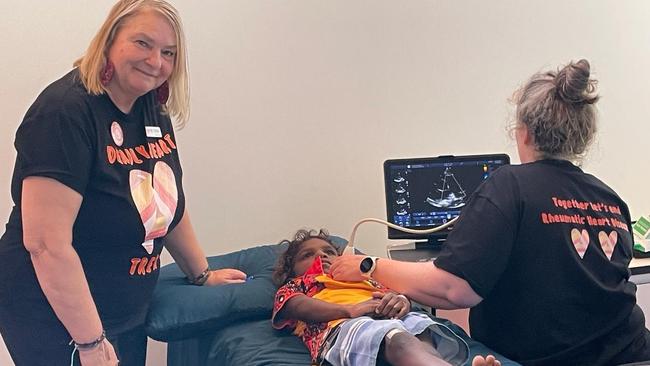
{"x": 368, "y": 273}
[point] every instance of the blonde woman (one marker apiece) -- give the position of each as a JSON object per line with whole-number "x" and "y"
{"x": 98, "y": 194}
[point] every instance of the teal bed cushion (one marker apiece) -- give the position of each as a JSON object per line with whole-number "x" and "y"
{"x": 179, "y": 310}
{"x": 256, "y": 343}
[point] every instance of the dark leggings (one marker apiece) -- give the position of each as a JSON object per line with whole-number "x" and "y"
{"x": 40, "y": 345}
{"x": 130, "y": 347}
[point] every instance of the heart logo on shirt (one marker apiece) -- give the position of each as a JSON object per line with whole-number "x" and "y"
{"x": 156, "y": 198}
{"x": 580, "y": 241}
{"x": 117, "y": 133}
{"x": 608, "y": 242}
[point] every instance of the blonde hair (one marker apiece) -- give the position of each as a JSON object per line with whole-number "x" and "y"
{"x": 93, "y": 62}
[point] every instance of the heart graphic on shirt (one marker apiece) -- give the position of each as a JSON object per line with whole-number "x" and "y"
{"x": 608, "y": 242}
{"x": 156, "y": 198}
{"x": 580, "y": 241}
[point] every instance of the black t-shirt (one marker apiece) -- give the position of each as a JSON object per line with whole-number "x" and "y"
{"x": 547, "y": 247}
{"x": 130, "y": 181}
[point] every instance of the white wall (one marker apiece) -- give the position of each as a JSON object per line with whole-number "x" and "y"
{"x": 296, "y": 104}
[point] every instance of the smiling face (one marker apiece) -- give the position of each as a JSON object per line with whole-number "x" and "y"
{"x": 311, "y": 249}
{"x": 143, "y": 53}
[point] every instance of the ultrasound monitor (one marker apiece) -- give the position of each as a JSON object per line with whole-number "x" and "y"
{"x": 422, "y": 193}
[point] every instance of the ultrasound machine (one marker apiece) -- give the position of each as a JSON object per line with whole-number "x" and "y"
{"x": 424, "y": 193}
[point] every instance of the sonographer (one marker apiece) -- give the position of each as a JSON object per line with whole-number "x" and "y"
{"x": 541, "y": 252}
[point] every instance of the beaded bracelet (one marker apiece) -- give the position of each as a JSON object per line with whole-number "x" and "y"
{"x": 200, "y": 279}
{"x": 90, "y": 345}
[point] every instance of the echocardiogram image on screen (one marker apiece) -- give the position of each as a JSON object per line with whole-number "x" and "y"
{"x": 423, "y": 193}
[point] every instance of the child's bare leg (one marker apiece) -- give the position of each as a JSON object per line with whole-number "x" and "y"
{"x": 405, "y": 349}
{"x": 425, "y": 338}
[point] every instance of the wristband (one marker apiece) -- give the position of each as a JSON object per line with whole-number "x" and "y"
{"x": 201, "y": 278}
{"x": 90, "y": 345}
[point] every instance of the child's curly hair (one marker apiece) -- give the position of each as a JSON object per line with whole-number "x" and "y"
{"x": 284, "y": 267}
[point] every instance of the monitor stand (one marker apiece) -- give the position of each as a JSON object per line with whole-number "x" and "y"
{"x": 418, "y": 251}
{"x": 432, "y": 242}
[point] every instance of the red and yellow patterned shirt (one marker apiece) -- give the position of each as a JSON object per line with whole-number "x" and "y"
{"x": 316, "y": 284}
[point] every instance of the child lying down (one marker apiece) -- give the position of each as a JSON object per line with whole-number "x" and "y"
{"x": 355, "y": 323}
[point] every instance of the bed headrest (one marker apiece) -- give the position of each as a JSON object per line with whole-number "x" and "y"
{"x": 180, "y": 310}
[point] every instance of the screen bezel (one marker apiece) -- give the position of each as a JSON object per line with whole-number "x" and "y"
{"x": 396, "y": 234}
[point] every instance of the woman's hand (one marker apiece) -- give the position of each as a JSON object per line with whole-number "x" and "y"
{"x": 188, "y": 255}
{"x": 346, "y": 268}
{"x": 366, "y": 308}
{"x": 225, "y": 276}
{"x": 392, "y": 305}
{"x": 101, "y": 355}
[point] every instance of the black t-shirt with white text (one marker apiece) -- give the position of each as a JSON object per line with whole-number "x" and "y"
{"x": 547, "y": 247}
{"x": 130, "y": 181}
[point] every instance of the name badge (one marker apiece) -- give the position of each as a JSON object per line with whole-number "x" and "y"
{"x": 152, "y": 131}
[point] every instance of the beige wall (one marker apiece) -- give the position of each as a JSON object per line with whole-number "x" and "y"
{"x": 297, "y": 103}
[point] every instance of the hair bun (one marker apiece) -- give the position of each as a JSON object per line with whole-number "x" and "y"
{"x": 573, "y": 84}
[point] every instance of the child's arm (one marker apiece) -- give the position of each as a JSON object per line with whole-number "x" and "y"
{"x": 304, "y": 308}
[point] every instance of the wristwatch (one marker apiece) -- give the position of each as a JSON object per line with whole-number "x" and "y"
{"x": 368, "y": 265}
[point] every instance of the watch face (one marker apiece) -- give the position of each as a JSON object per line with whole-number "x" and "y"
{"x": 366, "y": 265}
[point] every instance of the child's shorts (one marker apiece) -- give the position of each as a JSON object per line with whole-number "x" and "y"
{"x": 357, "y": 341}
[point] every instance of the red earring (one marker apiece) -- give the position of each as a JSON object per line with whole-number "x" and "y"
{"x": 107, "y": 73}
{"x": 162, "y": 93}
